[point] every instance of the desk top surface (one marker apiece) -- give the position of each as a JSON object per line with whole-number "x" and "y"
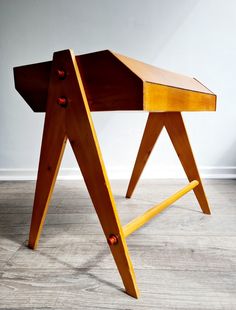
{"x": 116, "y": 82}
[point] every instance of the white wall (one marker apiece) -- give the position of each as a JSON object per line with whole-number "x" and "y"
{"x": 193, "y": 37}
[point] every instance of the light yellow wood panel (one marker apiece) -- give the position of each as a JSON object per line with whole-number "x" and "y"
{"x": 164, "y": 98}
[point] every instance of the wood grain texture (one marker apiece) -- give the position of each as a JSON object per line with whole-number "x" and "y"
{"x": 74, "y": 120}
{"x": 52, "y": 149}
{"x": 159, "y": 97}
{"x": 183, "y": 260}
{"x": 153, "y": 128}
{"x": 82, "y": 136}
{"x": 142, "y": 219}
{"x": 174, "y": 124}
{"x": 154, "y": 75}
{"x": 107, "y": 82}
{"x": 176, "y": 129}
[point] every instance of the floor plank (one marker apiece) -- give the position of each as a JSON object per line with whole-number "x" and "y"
{"x": 183, "y": 259}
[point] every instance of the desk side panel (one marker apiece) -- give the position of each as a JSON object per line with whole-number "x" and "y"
{"x": 164, "y": 98}
{"x": 31, "y": 82}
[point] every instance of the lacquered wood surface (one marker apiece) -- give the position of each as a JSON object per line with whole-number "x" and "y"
{"x": 74, "y": 121}
{"x": 103, "y": 81}
{"x": 144, "y": 218}
{"x": 174, "y": 124}
{"x": 115, "y": 82}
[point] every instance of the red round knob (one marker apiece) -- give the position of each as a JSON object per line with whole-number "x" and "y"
{"x": 62, "y": 101}
{"x": 61, "y": 74}
{"x": 112, "y": 240}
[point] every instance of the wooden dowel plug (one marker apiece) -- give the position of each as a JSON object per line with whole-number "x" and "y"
{"x": 61, "y": 74}
{"x": 112, "y": 240}
{"x": 62, "y": 101}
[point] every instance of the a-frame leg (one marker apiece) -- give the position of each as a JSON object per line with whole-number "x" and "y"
{"x": 52, "y": 148}
{"x": 151, "y": 133}
{"x": 176, "y": 129}
{"x": 92, "y": 168}
{"x": 82, "y": 136}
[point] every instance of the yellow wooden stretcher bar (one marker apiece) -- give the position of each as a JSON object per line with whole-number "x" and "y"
{"x": 148, "y": 215}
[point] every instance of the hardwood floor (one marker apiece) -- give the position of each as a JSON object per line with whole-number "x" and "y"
{"x": 183, "y": 259}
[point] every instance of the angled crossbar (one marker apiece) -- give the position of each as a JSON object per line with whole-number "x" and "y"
{"x": 148, "y": 215}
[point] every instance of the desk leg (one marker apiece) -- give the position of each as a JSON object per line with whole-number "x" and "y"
{"x": 52, "y": 149}
{"x": 176, "y": 129}
{"x": 151, "y": 133}
{"x": 86, "y": 149}
{"x": 81, "y": 133}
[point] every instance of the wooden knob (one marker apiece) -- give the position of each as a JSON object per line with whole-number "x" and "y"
{"x": 62, "y": 101}
{"x": 61, "y": 74}
{"x": 112, "y": 240}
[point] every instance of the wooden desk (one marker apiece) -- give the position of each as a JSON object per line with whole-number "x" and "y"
{"x": 68, "y": 89}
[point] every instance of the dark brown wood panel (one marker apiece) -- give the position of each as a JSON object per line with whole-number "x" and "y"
{"x": 108, "y": 83}
{"x": 32, "y": 83}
